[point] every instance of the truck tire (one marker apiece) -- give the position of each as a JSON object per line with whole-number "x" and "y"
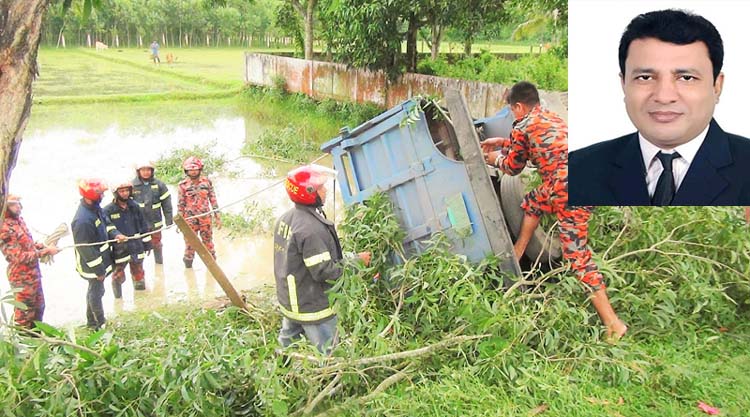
{"x": 541, "y": 246}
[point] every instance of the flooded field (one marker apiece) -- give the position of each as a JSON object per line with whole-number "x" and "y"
{"x": 65, "y": 143}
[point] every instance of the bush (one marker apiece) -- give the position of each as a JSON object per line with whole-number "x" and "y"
{"x": 289, "y": 144}
{"x": 169, "y": 166}
{"x": 255, "y": 218}
{"x": 548, "y": 71}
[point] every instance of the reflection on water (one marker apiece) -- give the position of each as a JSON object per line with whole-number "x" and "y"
{"x": 52, "y": 159}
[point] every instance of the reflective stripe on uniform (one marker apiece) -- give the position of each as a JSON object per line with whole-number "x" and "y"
{"x": 141, "y": 255}
{"x": 95, "y": 262}
{"x": 156, "y": 206}
{"x": 97, "y": 223}
{"x": 123, "y": 259}
{"x": 110, "y": 228}
{"x": 115, "y": 216}
{"x": 307, "y": 317}
{"x": 147, "y": 239}
{"x": 103, "y": 247}
{"x": 141, "y": 205}
{"x": 86, "y": 274}
{"x": 155, "y": 186}
{"x": 164, "y": 196}
{"x": 314, "y": 260}
{"x": 159, "y": 224}
{"x": 89, "y": 275}
{"x": 292, "y": 284}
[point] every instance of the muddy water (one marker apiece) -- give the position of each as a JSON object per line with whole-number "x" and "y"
{"x": 59, "y": 148}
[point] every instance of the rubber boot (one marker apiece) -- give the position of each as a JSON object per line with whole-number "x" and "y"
{"x": 117, "y": 289}
{"x": 188, "y": 262}
{"x": 139, "y": 285}
{"x": 158, "y": 257}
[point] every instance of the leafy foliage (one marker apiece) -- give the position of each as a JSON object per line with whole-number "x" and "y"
{"x": 169, "y": 166}
{"x": 289, "y": 144}
{"x": 433, "y": 335}
{"x": 255, "y": 218}
{"x": 548, "y": 71}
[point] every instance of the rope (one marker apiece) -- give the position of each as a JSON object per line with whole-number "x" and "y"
{"x": 214, "y": 210}
{"x": 51, "y": 240}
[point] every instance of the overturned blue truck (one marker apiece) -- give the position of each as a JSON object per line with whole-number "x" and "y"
{"x": 429, "y": 162}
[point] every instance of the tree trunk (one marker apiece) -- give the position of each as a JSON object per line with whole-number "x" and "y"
{"x": 437, "y": 37}
{"x": 21, "y": 23}
{"x": 60, "y": 38}
{"x": 467, "y": 47}
{"x": 411, "y": 43}
{"x": 307, "y": 14}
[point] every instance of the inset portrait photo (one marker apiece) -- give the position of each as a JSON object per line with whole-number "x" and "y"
{"x": 658, "y": 103}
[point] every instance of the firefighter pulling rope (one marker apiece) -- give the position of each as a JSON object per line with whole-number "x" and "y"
{"x": 207, "y": 213}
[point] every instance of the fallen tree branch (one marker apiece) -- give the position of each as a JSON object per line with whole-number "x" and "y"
{"x": 394, "y": 317}
{"x": 325, "y": 392}
{"x": 401, "y": 355}
{"x": 384, "y": 385}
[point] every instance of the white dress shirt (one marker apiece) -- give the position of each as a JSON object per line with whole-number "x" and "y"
{"x": 680, "y": 165}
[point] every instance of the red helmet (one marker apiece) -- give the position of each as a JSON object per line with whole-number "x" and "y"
{"x": 92, "y": 188}
{"x": 302, "y": 183}
{"x": 192, "y": 163}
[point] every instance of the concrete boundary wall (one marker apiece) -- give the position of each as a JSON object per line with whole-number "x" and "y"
{"x": 328, "y": 80}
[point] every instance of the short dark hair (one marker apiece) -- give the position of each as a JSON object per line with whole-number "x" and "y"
{"x": 674, "y": 26}
{"x": 523, "y": 92}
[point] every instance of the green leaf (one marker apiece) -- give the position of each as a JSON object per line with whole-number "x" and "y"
{"x": 49, "y": 330}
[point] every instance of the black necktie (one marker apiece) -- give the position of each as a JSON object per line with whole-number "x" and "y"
{"x": 665, "y": 186}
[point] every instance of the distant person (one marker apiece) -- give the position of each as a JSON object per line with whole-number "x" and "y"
{"x": 197, "y": 198}
{"x": 23, "y": 255}
{"x": 670, "y": 72}
{"x": 307, "y": 258}
{"x": 127, "y": 217}
{"x": 153, "y": 197}
{"x": 93, "y": 258}
{"x": 155, "y": 52}
{"x": 541, "y": 136}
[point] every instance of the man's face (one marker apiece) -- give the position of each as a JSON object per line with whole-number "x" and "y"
{"x": 123, "y": 193}
{"x": 322, "y": 192}
{"x": 669, "y": 90}
{"x": 193, "y": 173}
{"x": 14, "y": 209}
{"x": 145, "y": 173}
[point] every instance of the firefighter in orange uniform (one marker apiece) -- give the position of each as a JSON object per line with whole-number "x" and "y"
{"x": 541, "y": 137}
{"x": 23, "y": 255}
{"x": 196, "y": 196}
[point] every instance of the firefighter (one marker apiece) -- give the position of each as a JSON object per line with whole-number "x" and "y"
{"x": 93, "y": 261}
{"x": 307, "y": 257}
{"x": 23, "y": 256}
{"x": 123, "y": 212}
{"x": 153, "y": 197}
{"x": 540, "y": 136}
{"x": 196, "y": 196}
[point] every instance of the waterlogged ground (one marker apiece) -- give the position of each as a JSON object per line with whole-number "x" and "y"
{"x": 65, "y": 143}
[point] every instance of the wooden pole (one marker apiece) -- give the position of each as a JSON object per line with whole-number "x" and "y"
{"x": 210, "y": 262}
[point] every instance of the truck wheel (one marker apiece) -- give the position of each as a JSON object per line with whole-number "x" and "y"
{"x": 542, "y": 246}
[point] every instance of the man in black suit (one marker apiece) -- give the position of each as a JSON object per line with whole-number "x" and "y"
{"x": 670, "y": 63}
